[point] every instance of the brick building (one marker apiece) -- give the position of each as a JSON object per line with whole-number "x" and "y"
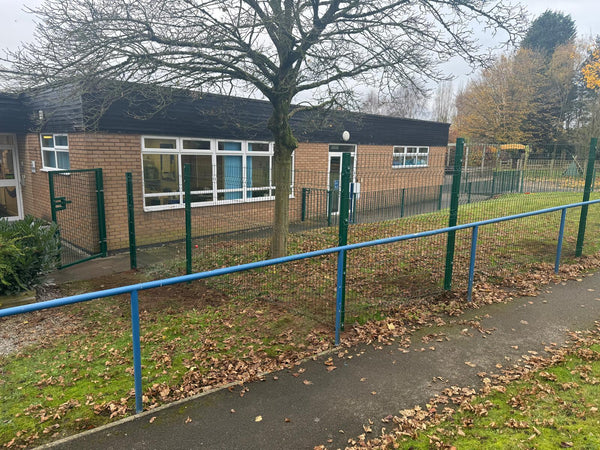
{"x": 224, "y": 139}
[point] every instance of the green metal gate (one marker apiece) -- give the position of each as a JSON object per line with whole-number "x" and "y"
{"x": 77, "y": 203}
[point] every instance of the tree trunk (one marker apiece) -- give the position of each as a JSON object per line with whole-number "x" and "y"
{"x": 285, "y": 143}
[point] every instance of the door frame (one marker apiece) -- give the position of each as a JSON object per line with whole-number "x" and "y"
{"x": 16, "y": 182}
{"x": 353, "y": 175}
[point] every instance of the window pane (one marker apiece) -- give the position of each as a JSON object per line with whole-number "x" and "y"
{"x": 257, "y": 171}
{"x": 48, "y": 141}
{"x": 230, "y": 146}
{"x": 159, "y": 143}
{"x": 229, "y": 176}
{"x": 8, "y": 201}
{"x": 161, "y": 173}
{"x": 410, "y": 160}
{"x": 6, "y": 139}
{"x": 63, "y": 160}
{"x": 398, "y": 149}
{"x": 397, "y": 160}
{"x": 258, "y": 147}
{"x": 160, "y": 201}
{"x": 198, "y": 198}
{"x": 259, "y": 193}
{"x": 341, "y": 148}
{"x": 61, "y": 140}
{"x": 201, "y": 171}
{"x": 422, "y": 160}
{"x": 411, "y": 150}
{"x": 189, "y": 144}
{"x": 49, "y": 159}
{"x": 423, "y": 150}
{"x": 7, "y": 166}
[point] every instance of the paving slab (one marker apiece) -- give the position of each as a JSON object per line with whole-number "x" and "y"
{"x": 300, "y": 412}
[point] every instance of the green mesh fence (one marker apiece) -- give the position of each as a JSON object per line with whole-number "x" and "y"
{"x": 391, "y": 197}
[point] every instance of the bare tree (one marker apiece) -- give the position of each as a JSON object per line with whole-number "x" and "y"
{"x": 278, "y": 47}
{"x": 372, "y": 104}
{"x": 409, "y": 102}
{"x": 444, "y": 107}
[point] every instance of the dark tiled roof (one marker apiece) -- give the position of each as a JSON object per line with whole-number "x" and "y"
{"x": 13, "y": 116}
{"x": 215, "y": 116}
{"x": 190, "y": 114}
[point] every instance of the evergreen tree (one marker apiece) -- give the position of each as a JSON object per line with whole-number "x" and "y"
{"x": 549, "y": 31}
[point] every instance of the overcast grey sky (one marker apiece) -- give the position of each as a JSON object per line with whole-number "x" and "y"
{"x": 18, "y": 26}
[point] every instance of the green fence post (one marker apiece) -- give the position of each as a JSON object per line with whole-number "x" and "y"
{"x": 586, "y": 196}
{"x": 304, "y": 194}
{"x": 187, "y": 170}
{"x": 53, "y": 215}
{"x": 131, "y": 221}
{"x": 522, "y": 178}
{"x": 469, "y": 188}
{"x": 440, "y": 197}
{"x": 402, "y": 202}
{"x": 343, "y": 224}
{"x": 329, "y": 206}
{"x": 101, "y": 216}
{"x": 493, "y": 182}
{"x": 453, "y": 219}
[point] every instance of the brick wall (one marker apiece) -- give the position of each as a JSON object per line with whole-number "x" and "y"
{"x": 117, "y": 154}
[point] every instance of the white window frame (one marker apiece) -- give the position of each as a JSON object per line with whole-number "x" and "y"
{"x": 213, "y": 152}
{"x": 402, "y": 152}
{"x": 14, "y": 183}
{"x": 55, "y": 150}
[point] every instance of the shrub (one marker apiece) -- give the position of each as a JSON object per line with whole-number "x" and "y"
{"x": 28, "y": 248}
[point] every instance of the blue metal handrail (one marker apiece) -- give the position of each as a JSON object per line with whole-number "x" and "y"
{"x": 340, "y": 250}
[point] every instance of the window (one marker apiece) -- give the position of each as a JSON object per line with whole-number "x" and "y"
{"x": 55, "y": 151}
{"x": 410, "y": 156}
{"x": 221, "y": 171}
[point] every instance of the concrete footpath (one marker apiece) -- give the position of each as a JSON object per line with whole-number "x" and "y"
{"x": 368, "y": 384}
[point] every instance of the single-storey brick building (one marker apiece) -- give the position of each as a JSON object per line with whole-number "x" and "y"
{"x": 224, "y": 139}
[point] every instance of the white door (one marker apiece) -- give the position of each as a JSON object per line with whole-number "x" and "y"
{"x": 335, "y": 171}
{"x": 11, "y": 206}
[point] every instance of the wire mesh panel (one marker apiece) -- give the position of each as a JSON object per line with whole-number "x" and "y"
{"x": 77, "y": 202}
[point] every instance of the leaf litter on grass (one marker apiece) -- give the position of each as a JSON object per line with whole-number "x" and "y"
{"x": 204, "y": 334}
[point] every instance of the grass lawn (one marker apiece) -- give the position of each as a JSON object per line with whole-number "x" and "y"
{"x": 233, "y": 328}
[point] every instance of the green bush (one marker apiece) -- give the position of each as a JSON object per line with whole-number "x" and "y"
{"x": 28, "y": 249}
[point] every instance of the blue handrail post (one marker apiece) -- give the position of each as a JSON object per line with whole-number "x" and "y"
{"x": 561, "y": 233}
{"x": 137, "y": 354}
{"x": 472, "y": 262}
{"x": 339, "y": 303}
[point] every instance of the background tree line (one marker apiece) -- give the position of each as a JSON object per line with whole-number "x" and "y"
{"x": 539, "y": 94}
{"x": 545, "y": 92}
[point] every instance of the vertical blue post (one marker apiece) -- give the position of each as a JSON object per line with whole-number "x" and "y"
{"x": 561, "y": 233}
{"x": 339, "y": 302}
{"x": 137, "y": 354}
{"x": 472, "y": 262}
